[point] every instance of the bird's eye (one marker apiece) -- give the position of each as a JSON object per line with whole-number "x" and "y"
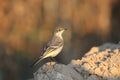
{"x": 59, "y": 29}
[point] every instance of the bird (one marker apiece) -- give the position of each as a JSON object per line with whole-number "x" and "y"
{"x": 54, "y": 46}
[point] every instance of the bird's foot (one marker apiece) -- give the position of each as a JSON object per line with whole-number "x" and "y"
{"x": 51, "y": 63}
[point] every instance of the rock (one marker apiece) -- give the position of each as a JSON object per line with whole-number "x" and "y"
{"x": 57, "y": 72}
{"x": 100, "y": 63}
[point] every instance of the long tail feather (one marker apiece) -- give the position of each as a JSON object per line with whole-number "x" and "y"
{"x": 36, "y": 62}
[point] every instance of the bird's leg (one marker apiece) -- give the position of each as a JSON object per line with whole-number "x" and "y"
{"x": 50, "y": 60}
{"x": 53, "y": 59}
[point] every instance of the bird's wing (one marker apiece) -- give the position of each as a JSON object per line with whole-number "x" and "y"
{"x": 54, "y": 44}
{"x": 51, "y": 46}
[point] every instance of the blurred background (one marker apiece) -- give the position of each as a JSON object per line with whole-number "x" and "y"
{"x": 27, "y": 25}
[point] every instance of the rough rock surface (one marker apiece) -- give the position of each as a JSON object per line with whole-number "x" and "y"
{"x": 100, "y": 63}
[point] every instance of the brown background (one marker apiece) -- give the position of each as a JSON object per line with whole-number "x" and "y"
{"x": 27, "y": 25}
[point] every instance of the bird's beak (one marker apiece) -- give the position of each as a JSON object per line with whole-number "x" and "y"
{"x": 66, "y": 29}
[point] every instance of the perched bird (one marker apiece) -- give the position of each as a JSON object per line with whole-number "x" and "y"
{"x": 54, "y": 47}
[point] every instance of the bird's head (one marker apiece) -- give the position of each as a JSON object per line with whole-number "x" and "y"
{"x": 59, "y": 31}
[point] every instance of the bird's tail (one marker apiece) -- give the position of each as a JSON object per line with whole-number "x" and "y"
{"x": 36, "y": 62}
